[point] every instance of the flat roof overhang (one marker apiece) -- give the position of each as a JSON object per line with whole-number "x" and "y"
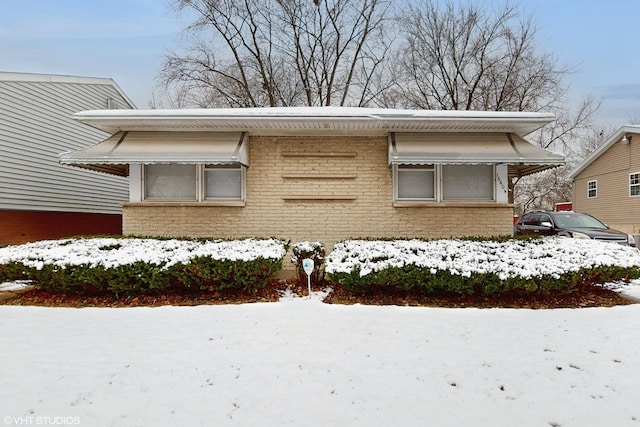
{"x": 313, "y": 121}
{"x": 522, "y": 157}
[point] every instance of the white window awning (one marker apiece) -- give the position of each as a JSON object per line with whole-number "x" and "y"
{"x": 114, "y": 154}
{"x": 454, "y": 148}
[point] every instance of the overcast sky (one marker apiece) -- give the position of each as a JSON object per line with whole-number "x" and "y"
{"x": 126, "y": 40}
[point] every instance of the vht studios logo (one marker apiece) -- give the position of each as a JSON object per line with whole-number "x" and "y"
{"x": 42, "y": 421}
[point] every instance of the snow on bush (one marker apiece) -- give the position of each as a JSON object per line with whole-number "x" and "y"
{"x": 113, "y": 252}
{"x": 311, "y": 250}
{"x": 514, "y": 258}
{"x": 302, "y": 250}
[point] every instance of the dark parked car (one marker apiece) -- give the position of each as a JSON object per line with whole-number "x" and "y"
{"x": 569, "y": 224}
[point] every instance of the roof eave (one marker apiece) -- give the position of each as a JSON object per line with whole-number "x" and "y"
{"x": 264, "y": 122}
{"x": 602, "y": 148}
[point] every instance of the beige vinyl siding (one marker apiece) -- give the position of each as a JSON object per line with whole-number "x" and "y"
{"x": 35, "y": 127}
{"x": 613, "y": 204}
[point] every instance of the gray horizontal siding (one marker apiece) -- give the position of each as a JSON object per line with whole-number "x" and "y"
{"x": 35, "y": 127}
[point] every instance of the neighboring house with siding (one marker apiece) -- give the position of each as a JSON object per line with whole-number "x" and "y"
{"x": 39, "y": 198}
{"x": 607, "y": 183}
{"x": 321, "y": 174}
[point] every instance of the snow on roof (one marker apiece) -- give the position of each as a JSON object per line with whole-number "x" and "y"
{"x": 336, "y": 112}
{"x": 326, "y": 119}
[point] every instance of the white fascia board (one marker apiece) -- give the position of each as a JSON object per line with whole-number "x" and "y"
{"x": 316, "y": 112}
{"x": 113, "y": 121}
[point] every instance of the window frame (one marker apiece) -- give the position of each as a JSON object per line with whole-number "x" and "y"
{"x": 438, "y": 186}
{"x": 636, "y": 185}
{"x": 424, "y": 168}
{"x": 469, "y": 199}
{"x": 243, "y": 182}
{"x": 152, "y": 199}
{"x": 594, "y": 189}
{"x": 200, "y": 183}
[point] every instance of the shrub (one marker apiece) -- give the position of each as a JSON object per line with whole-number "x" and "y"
{"x": 202, "y": 273}
{"x": 134, "y": 265}
{"x": 15, "y": 271}
{"x": 128, "y": 279}
{"x": 314, "y": 251}
{"x": 484, "y": 267}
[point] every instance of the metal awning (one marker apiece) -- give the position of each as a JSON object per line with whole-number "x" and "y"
{"x": 114, "y": 154}
{"x": 453, "y": 148}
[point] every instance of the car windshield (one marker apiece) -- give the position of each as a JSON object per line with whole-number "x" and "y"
{"x": 577, "y": 221}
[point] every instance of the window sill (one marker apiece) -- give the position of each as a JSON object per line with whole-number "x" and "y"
{"x": 452, "y": 205}
{"x": 206, "y": 204}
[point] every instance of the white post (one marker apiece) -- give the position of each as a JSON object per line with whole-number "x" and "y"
{"x": 307, "y": 265}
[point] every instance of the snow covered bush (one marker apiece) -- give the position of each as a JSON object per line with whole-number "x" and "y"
{"x": 311, "y": 250}
{"x": 485, "y": 266}
{"x": 135, "y": 265}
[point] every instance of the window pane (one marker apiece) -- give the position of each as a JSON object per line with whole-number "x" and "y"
{"x": 223, "y": 183}
{"x": 634, "y": 184}
{"x": 467, "y": 182}
{"x": 415, "y": 184}
{"x": 592, "y": 189}
{"x": 170, "y": 181}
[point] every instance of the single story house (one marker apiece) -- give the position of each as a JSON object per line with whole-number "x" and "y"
{"x": 607, "y": 183}
{"x": 39, "y": 198}
{"x": 315, "y": 173}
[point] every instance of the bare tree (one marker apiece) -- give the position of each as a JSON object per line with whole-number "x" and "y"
{"x": 251, "y": 53}
{"x": 445, "y": 54}
{"x": 463, "y": 56}
{"x": 543, "y": 190}
{"x": 573, "y": 133}
{"x": 571, "y": 129}
{"x": 459, "y": 56}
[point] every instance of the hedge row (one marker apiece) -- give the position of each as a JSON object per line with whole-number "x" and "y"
{"x": 480, "y": 266}
{"x": 200, "y": 272}
{"x": 487, "y": 267}
{"x": 412, "y": 278}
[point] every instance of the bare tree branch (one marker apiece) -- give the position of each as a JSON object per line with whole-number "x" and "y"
{"x": 462, "y": 57}
{"x": 280, "y": 52}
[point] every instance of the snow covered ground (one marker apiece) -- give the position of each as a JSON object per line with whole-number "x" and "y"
{"x": 301, "y": 362}
{"x": 18, "y": 285}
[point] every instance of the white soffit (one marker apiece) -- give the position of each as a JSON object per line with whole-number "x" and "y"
{"x": 314, "y": 120}
{"x": 114, "y": 154}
